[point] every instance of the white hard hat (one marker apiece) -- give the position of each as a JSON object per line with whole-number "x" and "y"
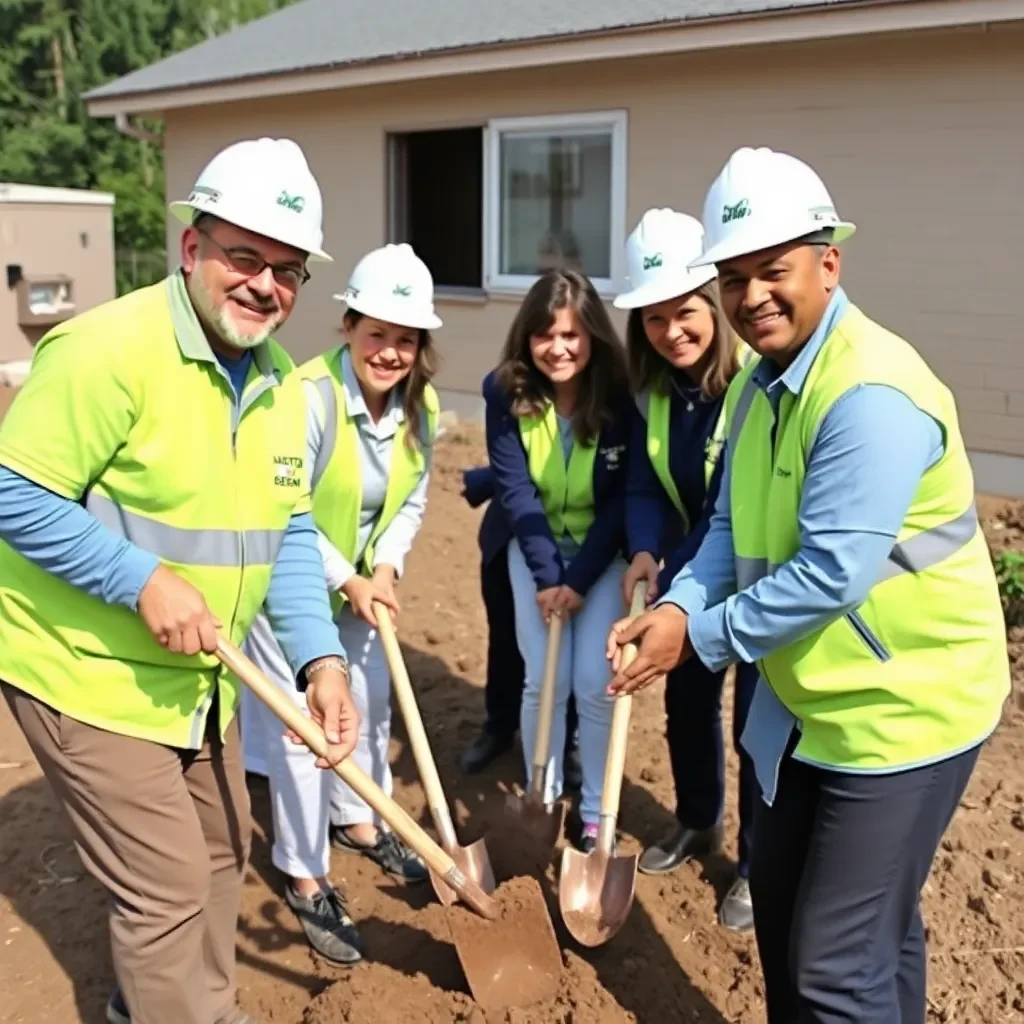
{"x": 658, "y": 254}
{"x": 393, "y": 284}
{"x": 762, "y": 199}
{"x": 263, "y": 185}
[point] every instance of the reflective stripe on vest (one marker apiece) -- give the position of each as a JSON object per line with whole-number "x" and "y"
{"x": 208, "y": 486}
{"x": 184, "y": 545}
{"x": 920, "y": 669}
{"x": 336, "y": 475}
{"x": 566, "y": 491}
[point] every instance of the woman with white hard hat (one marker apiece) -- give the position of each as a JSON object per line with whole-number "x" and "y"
{"x": 372, "y": 419}
{"x": 846, "y": 561}
{"x": 682, "y": 356}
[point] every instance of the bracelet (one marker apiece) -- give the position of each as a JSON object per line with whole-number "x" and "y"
{"x": 332, "y": 661}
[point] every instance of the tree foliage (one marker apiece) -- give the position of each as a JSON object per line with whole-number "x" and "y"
{"x": 54, "y": 51}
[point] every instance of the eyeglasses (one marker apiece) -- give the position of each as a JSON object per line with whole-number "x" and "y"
{"x": 247, "y": 261}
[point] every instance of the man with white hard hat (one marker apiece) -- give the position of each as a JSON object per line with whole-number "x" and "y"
{"x": 845, "y": 559}
{"x": 154, "y": 493}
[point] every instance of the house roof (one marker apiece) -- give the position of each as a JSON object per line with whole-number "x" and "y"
{"x": 326, "y": 34}
{"x": 11, "y": 192}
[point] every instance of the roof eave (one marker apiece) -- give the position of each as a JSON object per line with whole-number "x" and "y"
{"x": 801, "y": 25}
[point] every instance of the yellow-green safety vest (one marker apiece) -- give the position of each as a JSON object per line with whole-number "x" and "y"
{"x": 566, "y": 489}
{"x": 655, "y": 405}
{"x": 209, "y": 494}
{"x": 920, "y": 669}
{"x": 336, "y": 475}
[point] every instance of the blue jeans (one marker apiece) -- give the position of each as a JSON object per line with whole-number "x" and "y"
{"x": 583, "y": 671}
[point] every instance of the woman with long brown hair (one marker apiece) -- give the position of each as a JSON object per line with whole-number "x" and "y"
{"x": 372, "y": 418}
{"x": 558, "y": 416}
{"x": 682, "y": 357}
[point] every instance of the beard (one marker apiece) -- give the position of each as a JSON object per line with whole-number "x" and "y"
{"x": 219, "y": 319}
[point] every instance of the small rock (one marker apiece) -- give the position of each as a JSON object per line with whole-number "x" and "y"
{"x": 1017, "y": 821}
{"x": 431, "y": 637}
{"x": 993, "y": 881}
{"x": 977, "y": 904}
{"x": 648, "y": 775}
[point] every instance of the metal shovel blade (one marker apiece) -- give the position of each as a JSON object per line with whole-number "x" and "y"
{"x": 595, "y": 894}
{"x": 540, "y": 822}
{"x": 474, "y": 863}
{"x": 514, "y": 960}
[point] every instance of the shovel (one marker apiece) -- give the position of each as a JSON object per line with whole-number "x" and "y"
{"x": 508, "y": 951}
{"x": 542, "y": 822}
{"x": 471, "y": 860}
{"x": 595, "y": 890}
{"x": 435, "y": 858}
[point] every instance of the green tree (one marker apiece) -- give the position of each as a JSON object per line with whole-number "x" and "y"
{"x": 54, "y": 51}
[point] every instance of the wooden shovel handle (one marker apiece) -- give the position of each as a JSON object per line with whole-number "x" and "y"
{"x": 418, "y": 740}
{"x": 548, "y": 686}
{"x": 311, "y": 734}
{"x": 615, "y": 759}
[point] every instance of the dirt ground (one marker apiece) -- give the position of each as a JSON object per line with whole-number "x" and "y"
{"x": 670, "y": 963}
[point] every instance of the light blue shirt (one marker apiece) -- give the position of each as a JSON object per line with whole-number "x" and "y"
{"x": 863, "y": 469}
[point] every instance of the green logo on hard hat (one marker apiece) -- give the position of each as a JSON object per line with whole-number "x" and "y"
{"x": 405, "y": 290}
{"x": 736, "y": 212}
{"x": 650, "y": 262}
{"x": 295, "y": 203}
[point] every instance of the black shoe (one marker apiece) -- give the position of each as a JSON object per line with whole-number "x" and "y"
{"x": 484, "y": 750}
{"x": 117, "y": 1011}
{"x": 737, "y": 910}
{"x": 683, "y": 844}
{"x": 389, "y": 853}
{"x": 572, "y": 770}
{"x": 326, "y": 924}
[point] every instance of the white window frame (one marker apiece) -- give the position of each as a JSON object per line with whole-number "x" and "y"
{"x": 614, "y": 120}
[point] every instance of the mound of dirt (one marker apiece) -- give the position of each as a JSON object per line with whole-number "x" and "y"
{"x": 385, "y": 996}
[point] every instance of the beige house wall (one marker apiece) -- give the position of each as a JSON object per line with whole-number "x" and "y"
{"x": 917, "y": 137}
{"x": 53, "y": 238}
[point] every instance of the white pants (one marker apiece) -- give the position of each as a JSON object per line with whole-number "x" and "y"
{"x": 305, "y": 799}
{"x": 583, "y": 670}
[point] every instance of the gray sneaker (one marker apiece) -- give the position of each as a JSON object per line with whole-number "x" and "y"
{"x": 737, "y": 910}
{"x": 326, "y": 924}
{"x": 389, "y": 853}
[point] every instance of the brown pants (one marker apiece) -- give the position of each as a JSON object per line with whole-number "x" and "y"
{"x": 166, "y": 831}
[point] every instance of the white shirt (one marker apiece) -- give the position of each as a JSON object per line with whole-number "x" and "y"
{"x": 376, "y": 441}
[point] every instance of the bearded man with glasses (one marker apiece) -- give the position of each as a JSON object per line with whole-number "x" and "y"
{"x": 153, "y": 496}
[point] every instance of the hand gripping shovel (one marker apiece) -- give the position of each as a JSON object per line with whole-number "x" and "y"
{"x": 542, "y": 822}
{"x": 435, "y": 858}
{"x": 508, "y": 953}
{"x": 471, "y": 860}
{"x": 595, "y": 890}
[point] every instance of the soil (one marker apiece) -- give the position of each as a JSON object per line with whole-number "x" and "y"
{"x": 671, "y": 962}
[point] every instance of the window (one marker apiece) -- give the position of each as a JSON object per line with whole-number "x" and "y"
{"x": 491, "y": 208}
{"x": 556, "y": 195}
{"x": 436, "y": 198}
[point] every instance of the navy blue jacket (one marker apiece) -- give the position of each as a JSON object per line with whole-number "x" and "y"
{"x": 494, "y": 532}
{"x": 652, "y": 521}
{"x": 520, "y": 500}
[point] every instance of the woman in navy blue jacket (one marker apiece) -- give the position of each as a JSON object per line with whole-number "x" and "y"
{"x": 682, "y": 357}
{"x": 558, "y": 421}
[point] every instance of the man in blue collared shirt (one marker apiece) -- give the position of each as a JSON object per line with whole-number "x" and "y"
{"x": 841, "y": 853}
